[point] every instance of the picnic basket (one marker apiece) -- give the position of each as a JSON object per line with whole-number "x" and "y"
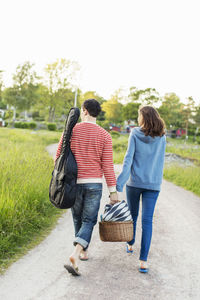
{"x": 116, "y": 231}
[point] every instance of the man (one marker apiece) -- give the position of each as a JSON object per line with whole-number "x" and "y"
{"x": 92, "y": 148}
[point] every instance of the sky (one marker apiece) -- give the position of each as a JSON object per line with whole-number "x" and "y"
{"x": 118, "y": 43}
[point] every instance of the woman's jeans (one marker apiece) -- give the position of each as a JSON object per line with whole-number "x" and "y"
{"x": 85, "y": 212}
{"x": 149, "y": 198}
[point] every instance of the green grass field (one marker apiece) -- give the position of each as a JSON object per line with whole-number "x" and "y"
{"x": 186, "y": 177}
{"x": 188, "y": 150}
{"x": 25, "y": 211}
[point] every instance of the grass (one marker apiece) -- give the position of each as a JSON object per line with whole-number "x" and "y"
{"x": 26, "y": 214}
{"x": 188, "y": 150}
{"x": 186, "y": 177}
{"x": 119, "y": 148}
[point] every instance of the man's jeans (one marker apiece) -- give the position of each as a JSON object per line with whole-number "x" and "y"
{"x": 85, "y": 212}
{"x": 149, "y": 198}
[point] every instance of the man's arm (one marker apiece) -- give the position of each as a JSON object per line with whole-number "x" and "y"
{"x": 108, "y": 169}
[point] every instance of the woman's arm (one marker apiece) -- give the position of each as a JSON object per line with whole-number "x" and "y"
{"x": 128, "y": 159}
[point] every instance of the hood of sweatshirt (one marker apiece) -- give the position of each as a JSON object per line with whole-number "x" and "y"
{"x": 138, "y": 133}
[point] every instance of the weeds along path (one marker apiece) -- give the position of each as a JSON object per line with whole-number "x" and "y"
{"x": 111, "y": 273}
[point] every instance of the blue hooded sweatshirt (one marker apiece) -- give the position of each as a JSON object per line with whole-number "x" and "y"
{"x": 144, "y": 161}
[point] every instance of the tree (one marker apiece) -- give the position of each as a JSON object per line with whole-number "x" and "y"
{"x": 10, "y": 96}
{"x": 170, "y": 110}
{"x": 25, "y": 85}
{"x": 147, "y": 96}
{"x": 130, "y": 111}
{"x": 113, "y": 109}
{"x": 58, "y": 78}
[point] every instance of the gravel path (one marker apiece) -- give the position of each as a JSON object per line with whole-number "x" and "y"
{"x": 110, "y": 273}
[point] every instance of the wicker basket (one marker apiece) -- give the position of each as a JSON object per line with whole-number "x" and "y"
{"x": 116, "y": 231}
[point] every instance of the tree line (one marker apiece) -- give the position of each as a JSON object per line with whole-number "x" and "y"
{"x": 49, "y": 98}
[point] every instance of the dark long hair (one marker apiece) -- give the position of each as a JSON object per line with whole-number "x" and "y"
{"x": 151, "y": 122}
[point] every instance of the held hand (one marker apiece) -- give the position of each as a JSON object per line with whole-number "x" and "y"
{"x": 113, "y": 198}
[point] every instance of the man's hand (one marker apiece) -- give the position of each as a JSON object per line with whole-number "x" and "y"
{"x": 113, "y": 198}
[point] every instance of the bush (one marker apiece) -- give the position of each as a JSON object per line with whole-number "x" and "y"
{"x": 21, "y": 125}
{"x": 51, "y": 126}
{"x": 39, "y": 119}
{"x": 115, "y": 134}
{"x": 32, "y": 125}
{"x": 25, "y": 125}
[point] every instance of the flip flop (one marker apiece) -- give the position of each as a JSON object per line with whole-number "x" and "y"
{"x": 72, "y": 270}
{"x": 83, "y": 259}
{"x": 127, "y": 250}
{"x": 143, "y": 270}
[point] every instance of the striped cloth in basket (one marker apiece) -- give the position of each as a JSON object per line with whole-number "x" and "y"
{"x": 118, "y": 212}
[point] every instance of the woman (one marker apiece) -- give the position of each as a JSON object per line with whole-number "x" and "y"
{"x": 143, "y": 169}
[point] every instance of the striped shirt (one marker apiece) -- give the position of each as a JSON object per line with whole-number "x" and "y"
{"x": 92, "y": 148}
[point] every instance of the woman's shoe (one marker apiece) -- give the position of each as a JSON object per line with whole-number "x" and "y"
{"x": 128, "y": 250}
{"x": 143, "y": 270}
{"x": 143, "y": 267}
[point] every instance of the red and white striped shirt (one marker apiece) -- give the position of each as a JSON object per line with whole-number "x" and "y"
{"x": 92, "y": 148}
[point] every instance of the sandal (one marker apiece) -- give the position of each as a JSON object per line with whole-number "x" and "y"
{"x": 72, "y": 270}
{"x": 83, "y": 258}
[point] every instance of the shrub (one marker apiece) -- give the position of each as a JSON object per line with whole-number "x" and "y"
{"x": 32, "y": 125}
{"x": 39, "y": 119}
{"x": 51, "y": 126}
{"x": 18, "y": 124}
{"x": 24, "y": 125}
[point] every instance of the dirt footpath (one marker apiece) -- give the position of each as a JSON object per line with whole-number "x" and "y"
{"x": 111, "y": 273}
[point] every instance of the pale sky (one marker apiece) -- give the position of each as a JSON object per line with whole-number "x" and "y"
{"x": 118, "y": 43}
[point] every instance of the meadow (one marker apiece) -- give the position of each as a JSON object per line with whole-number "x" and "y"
{"x": 26, "y": 215}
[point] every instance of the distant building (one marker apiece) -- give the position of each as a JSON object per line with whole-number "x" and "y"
{"x": 115, "y": 128}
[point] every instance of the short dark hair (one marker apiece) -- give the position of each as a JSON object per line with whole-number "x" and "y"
{"x": 92, "y": 106}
